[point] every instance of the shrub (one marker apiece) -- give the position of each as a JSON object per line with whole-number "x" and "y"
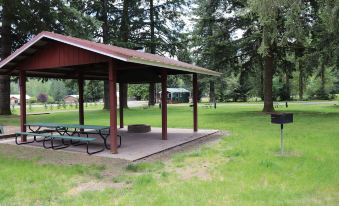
{"x": 42, "y": 97}
{"x": 50, "y": 100}
{"x": 32, "y": 100}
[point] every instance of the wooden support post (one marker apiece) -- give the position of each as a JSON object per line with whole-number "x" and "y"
{"x": 22, "y": 84}
{"x": 121, "y": 105}
{"x": 195, "y": 102}
{"x": 164, "y": 104}
{"x": 81, "y": 100}
{"x": 112, "y": 80}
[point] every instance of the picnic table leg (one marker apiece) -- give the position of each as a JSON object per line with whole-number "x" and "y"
{"x": 119, "y": 140}
{"x": 21, "y": 142}
{"x": 44, "y": 142}
{"x": 79, "y": 142}
{"x": 105, "y": 138}
{"x": 35, "y": 131}
{"x": 60, "y": 132}
{"x": 90, "y": 153}
{"x": 73, "y": 133}
{"x": 60, "y": 146}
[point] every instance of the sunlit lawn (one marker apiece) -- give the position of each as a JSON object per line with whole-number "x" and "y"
{"x": 50, "y": 108}
{"x": 244, "y": 168}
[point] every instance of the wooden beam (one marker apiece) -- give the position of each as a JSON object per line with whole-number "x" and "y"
{"x": 112, "y": 76}
{"x": 60, "y": 75}
{"x": 22, "y": 84}
{"x": 121, "y": 105}
{"x": 195, "y": 102}
{"x": 164, "y": 103}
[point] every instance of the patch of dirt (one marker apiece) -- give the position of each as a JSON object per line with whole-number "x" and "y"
{"x": 201, "y": 172}
{"x": 94, "y": 186}
{"x": 289, "y": 154}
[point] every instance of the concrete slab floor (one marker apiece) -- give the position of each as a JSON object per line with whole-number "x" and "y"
{"x": 136, "y": 146}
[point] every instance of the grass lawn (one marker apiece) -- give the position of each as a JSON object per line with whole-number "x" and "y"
{"x": 37, "y": 108}
{"x": 244, "y": 168}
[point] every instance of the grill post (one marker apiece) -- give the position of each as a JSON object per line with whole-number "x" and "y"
{"x": 281, "y": 118}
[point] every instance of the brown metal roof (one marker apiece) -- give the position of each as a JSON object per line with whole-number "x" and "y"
{"x": 123, "y": 54}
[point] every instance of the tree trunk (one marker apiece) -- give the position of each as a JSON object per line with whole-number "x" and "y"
{"x": 151, "y": 94}
{"x": 124, "y": 36}
{"x": 268, "y": 79}
{"x": 5, "y": 108}
{"x": 124, "y": 28}
{"x": 105, "y": 39}
{"x": 6, "y": 44}
{"x": 151, "y": 90}
{"x": 243, "y": 78}
{"x": 262, "y": 85}
{"x": 152, "y": 26}
{"x": 322, "y": 77}
{"x": 125, "y": 95}
{"x": 106, "y": 95}
{"x": 299, "y": 53}
{"x": 288, "y": 86}
{"x": 301, "y": 81}
{"x": 212, "y": 91}
{"x": 261, "y": 92}
{"x": 104, "y": 19}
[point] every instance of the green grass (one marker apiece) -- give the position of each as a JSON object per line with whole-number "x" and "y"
{"x": 244, "y": 168}
{"x": 36, "y": 108}
{"x": 24, "y": 182}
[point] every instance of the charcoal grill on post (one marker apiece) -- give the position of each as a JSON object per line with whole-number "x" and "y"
{"x": 281, "y": 118}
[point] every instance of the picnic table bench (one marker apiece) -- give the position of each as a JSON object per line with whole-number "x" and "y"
{"x": 34, "y": 135}
{"x": 51, "y": 138}
{"x": 66, "y": 132}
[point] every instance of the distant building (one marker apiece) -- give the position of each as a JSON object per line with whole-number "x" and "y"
{"x": 15, "y": 98}
{"x": 177, "y": 95}
{"x": 71, "y": 99}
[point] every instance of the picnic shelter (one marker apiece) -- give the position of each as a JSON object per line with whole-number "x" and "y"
{"x": 51, "y": 55}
